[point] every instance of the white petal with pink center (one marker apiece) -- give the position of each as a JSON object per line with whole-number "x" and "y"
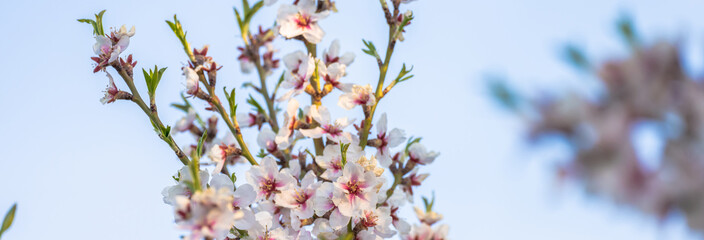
{"x": 419, "y": 154}
{"x": 300, "y": 69}
{"x": 301, "y": 19}
{"x": 378, "y": 219}
{"x": 110, "y": 91}
{"x": 331, "y": 160}
{"x": 286, "y": 131}
{"x": 333, "y": 132}
{"x": 267, "y": 179}
{"x": 208, "y": 213}
{"x": 355, "y": 190}
{"x": 388, "y": 140}
{"x": 358, "y": 95}
{"x": 300, "y": 198}
{"x": 192, "y": 84}
{"x": 181, "y": 188}
{"x": 332, "y": 55}
{"x": 267, "y": 140}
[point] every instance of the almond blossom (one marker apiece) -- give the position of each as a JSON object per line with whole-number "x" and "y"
{"x": 267, "y": 178}
{"x": 108, "y": 48}
{"x": 186, "y": 122}
{"x": 311, "y": 177}
{"x": 332, "y": 74}
{"x": 332, "y": 55}
{"x": 267, "y": 140}
{"x": 420, "y": 155}
{"x": 413, "y": 180}
{"x": 358, "y": 95}
{"x": 354, "y": 191}
{"x": 246, "y": 64}
{"x": 225, "y": 152}
{"x": 301, "y": 20}
{"x": 267, "y": 229}
{"x": 184, "y": 177}
{"x": 378, "y": 220}
{"x": 111, "y": 91}
{"x": 300, "y": 68}
{"x": 207, "y": 213}
{"x": 331, "y": 160}
{"x": 192, "y": 81}
{"x": 300, "y": 198}
{"x": 290, "y": 119}
{"x": 387, "y": 140}
{"x": 332, "y": 131}
{"x": 427, "y": 216}
{"x": 395, "y": 201}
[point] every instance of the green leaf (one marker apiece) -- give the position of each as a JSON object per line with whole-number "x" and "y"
{"x": 97, "y": 23}
{"x": 249, "y": 13}
{"x": 9, "y": 217}
{"x": 152, "y": 78}
{"x": 147, "y": 78}
{"x": 199, "y": 149}
{"x": 183, "y": 107}
{"x": 166, "y": 131}
{"x": 180, "y": 34}
{"x": 402, "y": 75}
{"x": 504, "y": 96}
{"x": 231, "y": 100}
{"x": 576, "y": 57}
{"x": 159, "y": 74}
{"x": 257, "y": 107}
{"x": 627, "y": 31}
{"x": 429, "y": 203}
{"x": 245, "y": 5}
{"x": 195, "y": 163}
{"x": 343, "y": 152}
{"x": 239, "y": 18}
{"x": 371, "y": 49}
{"x": 348, "y": 236}
{"x": 262, "y": 153}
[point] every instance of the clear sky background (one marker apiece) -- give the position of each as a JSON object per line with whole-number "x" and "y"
{"x": 82, "y": 170}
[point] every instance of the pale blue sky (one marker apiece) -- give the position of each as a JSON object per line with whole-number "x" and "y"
{"x": 82, "y": 170}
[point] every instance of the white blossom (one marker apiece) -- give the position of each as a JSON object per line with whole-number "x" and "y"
{"x": 332, "y": 131}
{"x": 355, "y": 190}
{"x": 267, "y": 179}
{"x": 388, "y": 140}
{"x": 301, "y": 19}
{"x": 358, "y": 95}
{"x": 332, "y": 55}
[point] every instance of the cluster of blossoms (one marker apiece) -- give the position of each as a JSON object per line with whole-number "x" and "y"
{"x": 649, "y": 86}
{"x": 330, "y": 187}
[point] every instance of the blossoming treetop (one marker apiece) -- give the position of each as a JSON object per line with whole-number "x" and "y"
{"x": 312, "y": 177}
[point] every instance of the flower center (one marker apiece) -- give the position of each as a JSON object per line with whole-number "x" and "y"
{"x": 337, "y": 164}
{"x": 269, "y": 186}
{"x": 300, "y": 197}
{"x": 332, "y": 130}
{"x": 303, "y": 21}
{"x": 353, "y": 187}
{"x": 362, "y": 99}
{"x": 369, "y": 219}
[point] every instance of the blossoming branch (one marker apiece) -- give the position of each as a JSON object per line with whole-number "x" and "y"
{"x": 311, "y": 176}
